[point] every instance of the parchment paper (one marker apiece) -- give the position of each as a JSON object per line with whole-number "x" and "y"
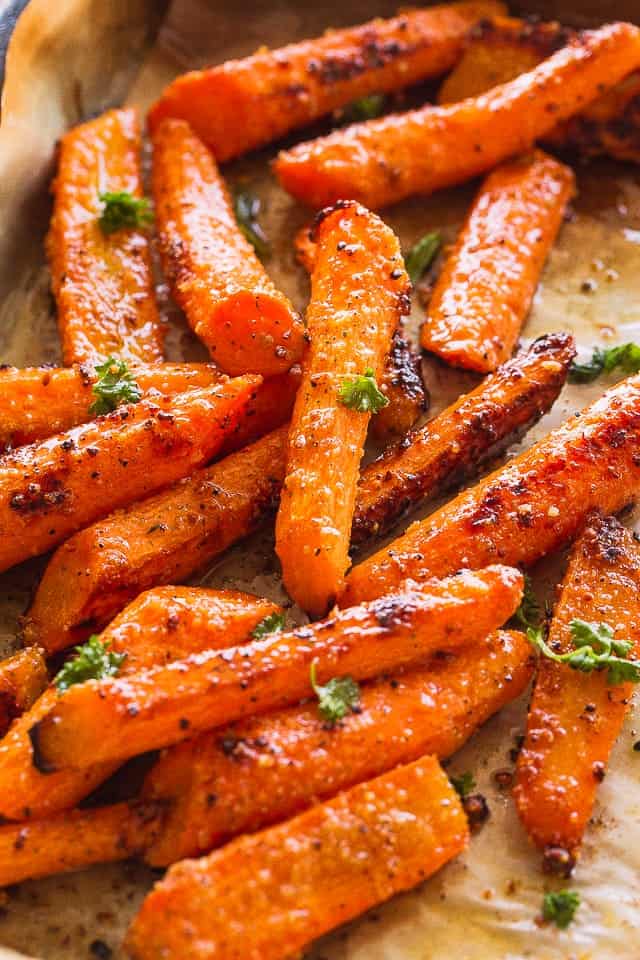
{"x": 485, "y": 905}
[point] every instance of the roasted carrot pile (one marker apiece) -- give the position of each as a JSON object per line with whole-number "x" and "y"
{"x": 296, "y": 758}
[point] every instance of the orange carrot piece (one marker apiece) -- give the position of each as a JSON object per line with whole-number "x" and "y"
{"x": 51, "y": 489}
{"x": 23, "y": 677}
{"x": 270, "y": 408}
{"x": 486, "y": 287}
{"x": 160, "y": 625}
{"x": 247, "y": 325}
{"x": 161, "y": 706}
{"x": 103, "y": 284}
{"x": 37, "y": 402}
{"x": 76, "y": 839}
{"x": 453, "y": 445}
{"x": 247, "y": 776}
{"x": 243, "y": 104}
{"x": 503, "y": 47}
{"x": 307, "y": 876}
{"x": 359, "y": 292}
{"x": 526, "y": 509}
{"x": 574, "y": 719}
{"x": 163, "y": 539}
{"x": 382, "y": 161}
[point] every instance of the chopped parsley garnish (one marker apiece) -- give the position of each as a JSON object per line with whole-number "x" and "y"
{"x": 246, "y": 207}
{"x": 115, "y": 385}
{"x": 93, "y": 661}
{"x": 560, "y": 907}
{"x": 366, "y": 108}
{"x": 594, "y": 648}
{"x": 336, "y": 698}
{"x": 274, "y": 623}
{"x": 362, "y": 394}
{"x": 422, "y": 255}
{"x": 625, "y": 358}
{"x": 464, "y": 784}
{"x": 123, "y": 210}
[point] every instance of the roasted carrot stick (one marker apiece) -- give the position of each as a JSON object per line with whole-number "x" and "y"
{"x": 23, "y": 677}
{"x": 359, "y": 292}
{"x": 214, "y": 272}
{"x": 75, "y": 839}
{"x": 382, "y": 161}
{"x": 161, "y": 624}
{"x": 243, "y": 104}
{"x": 454, "y": 444}
{"x": 51, "y": 489}
{"x": 37, "y": 402}
{"x": 163, "y": 539}
{"x": 159, "y": 707}
{"x": 270, "y": 408}
{"x": 244, "y": 777}
{"x": 485, "y": 289}
{"x": 102, "y": 282}
{"x": 307, "y": 876}
{"x": 528, "y": 508}
{"x": 574, "y": 718}
{"x": 503, "y": 47}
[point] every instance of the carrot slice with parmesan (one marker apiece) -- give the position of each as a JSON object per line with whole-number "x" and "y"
{"x": 359, "y": 292}
{"x": 160, "y": 625}
{"x": 307, "y": 876}
{"x": 162, "y": 706}
{"x": 574, "y": 718}
{"x": 504, "y": 47}
{"x": 247, "y": 776}
{"x": 386, "y": 160}
{"x": 529, "y": 508}
{"x": 51, "y": 489}
{"x": 247, "y": 325}
{"x": 102, "y": 282}
{"x": 486, "y": 287}
{"x": 243, "y": 104}
{"x": 23, "y": 677}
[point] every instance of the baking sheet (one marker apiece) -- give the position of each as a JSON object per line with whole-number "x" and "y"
{"x": 79, "y": 57}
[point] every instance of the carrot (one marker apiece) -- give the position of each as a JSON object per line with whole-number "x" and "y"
{"x": 244, "y": 777}
{"x": 351, "y": 329}
{"x": 23, "y": 677}
{"x": 51, "y": 489}
{"x": 162, "y": 706}
{"x": 160, "y": 625}
{"x": 307, "y": 876}
{"x": 247, "y": 325}
{"x": 503, "y": 47}
{"x": 526, "y": 509}
{"x": 243, "y": 104}
{"x": 270, "y": 408}
{"x": 382, "y": 161}
{"x": 37, "y": 402}
{"x": 103, "y": 284}
{"x": 163, "y": 539}
{"x": 574, "y": 718}
{"x": 75, "y": 839}
{"x": 401, "y": 378}
{"x": 485, "y": 289}
{"x": 453, "y": 445}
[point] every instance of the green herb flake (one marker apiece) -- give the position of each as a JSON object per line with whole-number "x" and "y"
{"x": 365, "y": 108}
{"x": 115, "y": 385}
{"x": 246, "y": 207}
{"x": 93, "y": 661}
{"x": 336, "y": 698}
{"x": 123, "y": 211}
{"x": 560, "y": 907}
{"x": 625, "y": 358}
{"x": 594, "y": 648}
{"x": 464, "y": 784}
{"x": 362, "y": 394}
{"x": 422, "y": 255}
{"x": 274, "y": 623}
